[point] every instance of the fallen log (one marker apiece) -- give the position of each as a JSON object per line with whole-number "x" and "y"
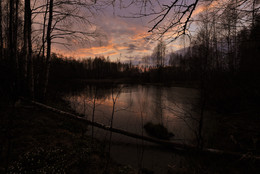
{"x": 169, "y": 144}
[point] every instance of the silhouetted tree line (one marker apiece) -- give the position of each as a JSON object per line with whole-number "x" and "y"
{"x": 222, "y": 58}
{"x": 229, "y": 65}
{"x": 63, "y": 68}
{"x": 221, "y": 55}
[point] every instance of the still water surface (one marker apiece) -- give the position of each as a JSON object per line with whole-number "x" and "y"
{"x": 174, "y": 107}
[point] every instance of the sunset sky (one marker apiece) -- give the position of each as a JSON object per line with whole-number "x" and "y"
{"x": 121, "y": 37}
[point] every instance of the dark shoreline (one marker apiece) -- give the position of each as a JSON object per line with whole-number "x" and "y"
{"x": 54, "y": 140}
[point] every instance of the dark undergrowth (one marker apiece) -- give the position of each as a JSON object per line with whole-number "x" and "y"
{"x": 33, "y": 140}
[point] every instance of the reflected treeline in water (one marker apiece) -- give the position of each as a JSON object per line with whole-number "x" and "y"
{"x": 137, "y": 105}
{"x": 96, "y": 90}
{"x": 177, "y": 109}
{"x": 82, "y": 100}
{"x": 158, "y": 105}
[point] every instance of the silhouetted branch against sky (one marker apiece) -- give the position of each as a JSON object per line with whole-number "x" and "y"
{"x": 129, "y": 28}
{"x": 164, "y": 16}
{"x": 172, "y": 19}
{"x": 72, "y": 20}
{"x": 182, "y": 14}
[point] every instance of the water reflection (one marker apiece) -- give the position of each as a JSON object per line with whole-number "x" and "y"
{"x": 137, "y": 105}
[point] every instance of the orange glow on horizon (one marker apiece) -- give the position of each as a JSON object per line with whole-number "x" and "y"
{"x": 203, "y": 8}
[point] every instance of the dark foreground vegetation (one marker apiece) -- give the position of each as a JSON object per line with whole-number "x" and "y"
{"x": 34, "y": 140}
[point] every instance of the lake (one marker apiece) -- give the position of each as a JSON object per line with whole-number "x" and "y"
{"x": 135, "y": 105}
{"x": 173, "y": 107}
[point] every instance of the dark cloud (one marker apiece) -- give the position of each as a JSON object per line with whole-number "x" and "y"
{"x": 131, "y": 48}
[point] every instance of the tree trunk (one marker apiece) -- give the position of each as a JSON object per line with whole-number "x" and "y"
{"x": 93, "y": 114}
{"x": 43, "y": 32}
{"x": 30, "y": 58}
{"x": 12, "y": 60}
{"x": 15, "y": 30}
{"x": 15, "y": 46}
{"x": 47, "y": 70}
{"x": 111, "y": 126}
{"x": 11, "y": 14}
{"x": 42, "y": 49}
{"x": 253, "y": 13}
{"x": 27, "y": 49}
{"x": 1, "y": 32}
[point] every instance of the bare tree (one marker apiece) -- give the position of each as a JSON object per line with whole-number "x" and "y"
{"x": 48, "y": 38}
{"x": 145, "y": 60}
{"x": 25, "y": 42}
{"x": 114, "y": 100}
{"x": 30, "y": 58}
{"x": 159, "y": 54}
{"x": 142, "y": 105}
{"x": 16, "y": 13}
{"x": 44, "y": 30}
{"x": 172, "y": 17}
{"x": 12, "y": 45}
{"x": 1, "y": 33}
{"x": 62, "y": 18}
{"x": 28, "y": 76}
{"x": 229, "y": 27}
{"x": 11, "y": 29}
{"x": 66, "y": 15}
{"x": 93, "y": 114}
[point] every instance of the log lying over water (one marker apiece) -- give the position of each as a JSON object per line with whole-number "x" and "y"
{"x": 169, "y": 144}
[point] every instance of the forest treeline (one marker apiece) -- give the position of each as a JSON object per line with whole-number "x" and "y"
{"x": 225, "y": 61}
{"x": 222, "y": 58}
{"x": 228, "y": 67}
{"x": 99, "y": 68}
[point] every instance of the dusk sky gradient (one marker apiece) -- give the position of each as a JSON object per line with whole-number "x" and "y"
{"x": 122, "y": 37}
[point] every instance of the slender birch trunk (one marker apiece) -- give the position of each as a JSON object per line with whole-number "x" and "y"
{"x": 11, "y": 14}
{"x": 93, "y": 115}
{"x": 25, "y": 48}
{"x": 30, "y": 58}
{"x": 1, "y": 32}
{"x": 11, "y": 57}
{"x": 47, "y": 70}
{"x": 15, "y": 47}
{"x": 43, "y": 32}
